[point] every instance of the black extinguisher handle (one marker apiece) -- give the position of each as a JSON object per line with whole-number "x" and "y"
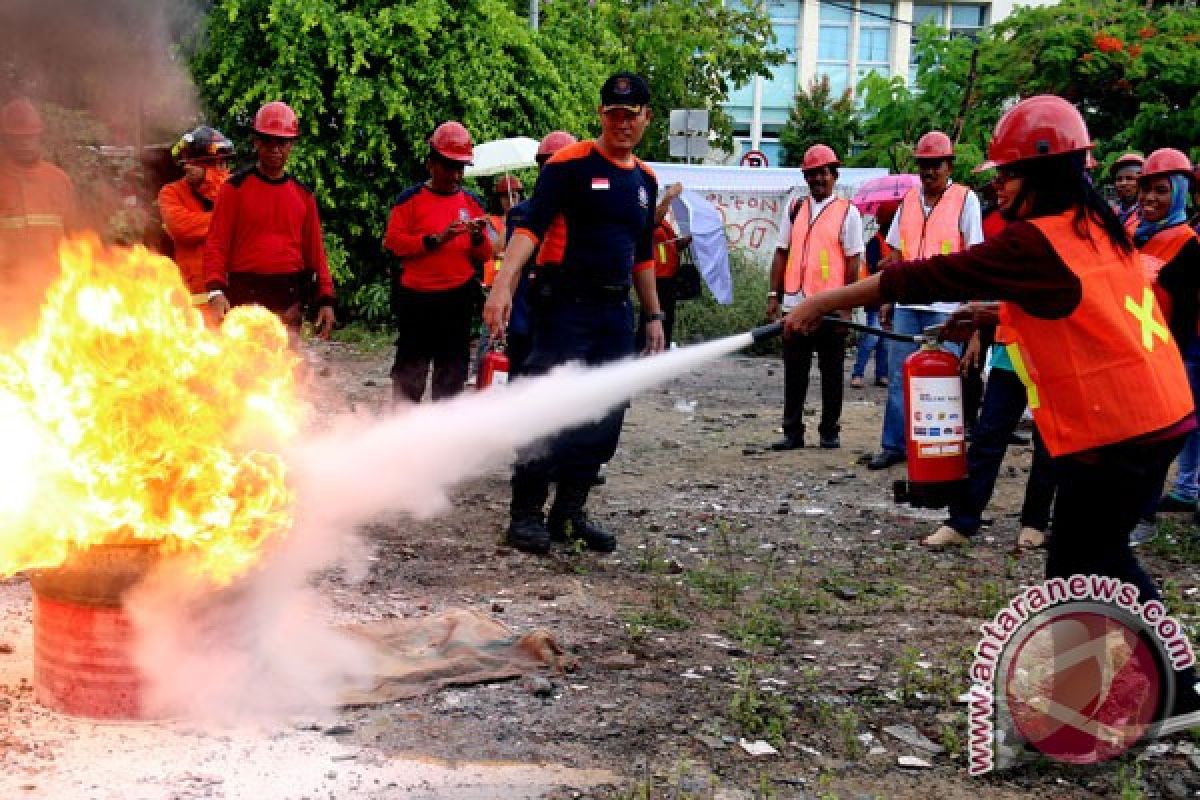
{"x": 768, "y": 331}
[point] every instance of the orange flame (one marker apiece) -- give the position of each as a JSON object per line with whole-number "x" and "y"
{"x": 124, "y": 419}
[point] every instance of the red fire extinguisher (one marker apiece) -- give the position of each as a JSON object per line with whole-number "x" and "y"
{"x": 493, "y": 370}
{"x": 937, "y": 453}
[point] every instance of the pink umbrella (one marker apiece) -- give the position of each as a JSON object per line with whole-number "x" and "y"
{"x": 876, "y": 191}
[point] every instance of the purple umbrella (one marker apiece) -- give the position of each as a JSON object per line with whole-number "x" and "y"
{"x": 877, "y": 191}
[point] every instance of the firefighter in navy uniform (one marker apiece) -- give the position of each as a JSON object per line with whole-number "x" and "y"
{"x": 264, "y": 243}
{"x": 592, "y": 212}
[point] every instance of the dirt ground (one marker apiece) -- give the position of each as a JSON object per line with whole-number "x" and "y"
{"x": 754, "y": 595}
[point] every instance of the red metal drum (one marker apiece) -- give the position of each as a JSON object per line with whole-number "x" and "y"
{"x": 83, "y": 640}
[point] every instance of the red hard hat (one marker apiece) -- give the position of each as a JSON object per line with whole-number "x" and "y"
{"x": 1128, "y": 160}
{"x": 19, "y": 118}
{"x": 1037, "y": 127}
{"x": 555, "y": 141}
{"x": 934, "y": 144}
{"x": 507, "y": 184}
{"x": 1166, "y": 161}
{"x": 452, "y": 141}
{"x": 820, "y": 155}
{"x": 277, "y": 119}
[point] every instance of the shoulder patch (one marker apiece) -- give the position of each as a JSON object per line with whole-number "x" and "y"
{"x": 239, "y": 177}
{"x": 407, "y": 194}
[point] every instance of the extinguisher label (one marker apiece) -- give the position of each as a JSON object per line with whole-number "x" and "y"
{"x": 935, "y": 416}
{"x": 499, "y": 378}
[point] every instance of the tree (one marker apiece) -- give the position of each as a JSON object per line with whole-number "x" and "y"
{"x": 819, "y": 117}
{"x": 692, "y": 53}
{"x": 370, "y": 79}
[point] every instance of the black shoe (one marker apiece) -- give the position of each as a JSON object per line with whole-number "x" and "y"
{"x": 1169, "y": 502}
{"x": 528, "y": 534}
{"x": 885, "y": 458}
{"x": 579, "y": 527}
{"x": 789, "y": 443}
{"x": 568, "y": 520}
{"x": 831, "y": 442}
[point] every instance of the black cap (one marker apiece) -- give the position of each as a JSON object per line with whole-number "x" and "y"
{"x": 625, "y": 90}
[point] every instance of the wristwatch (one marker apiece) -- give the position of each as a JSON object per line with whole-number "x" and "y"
{"x": 215, "y": 293}
{"x": 772, "y": 294}
{"x": 654, "y": 316}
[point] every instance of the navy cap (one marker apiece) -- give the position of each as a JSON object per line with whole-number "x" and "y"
{"x": 625, "y": 90}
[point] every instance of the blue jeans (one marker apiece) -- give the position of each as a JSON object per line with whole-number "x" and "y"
{"x": 1003, "y": 404}
{"x": 870, "y": 343}
{"x": 1186, "y": 484}
{"x": 904, "y": 320}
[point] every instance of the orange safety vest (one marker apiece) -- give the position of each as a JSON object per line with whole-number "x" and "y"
{"x": 37, "y": 207}
{"x": 492, "y": 265}
{"x": 822, "y": 236}
{"x": 1157, "y": 252}
{"x": 937, "y": 234}
{"x": 1108, "y": 371}
{"x": 666, "y": 251}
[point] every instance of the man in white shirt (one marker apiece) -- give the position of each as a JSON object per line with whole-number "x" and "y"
{"x": 820, "y": 247}
{"x": 938, "y": 218}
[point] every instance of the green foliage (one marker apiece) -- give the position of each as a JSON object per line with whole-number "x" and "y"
{"x": 703, "y": 318}
{"x": 371, "y": 79}
{"x": 1133, "y": 70}
{"x": 817, "y": 117}
{"x": 692, "y": 52}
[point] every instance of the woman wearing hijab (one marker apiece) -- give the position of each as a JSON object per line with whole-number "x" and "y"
{"x": 1170, "y": 253}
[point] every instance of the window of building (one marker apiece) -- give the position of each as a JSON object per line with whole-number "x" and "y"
{"x": 967, "y": 19}
{"x": 854, "y": 39}
{"x": 960, "y": 19}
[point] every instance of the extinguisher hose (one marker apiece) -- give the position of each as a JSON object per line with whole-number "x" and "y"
{"x": 916, "y": 338}
{"x": 773, "y": 329}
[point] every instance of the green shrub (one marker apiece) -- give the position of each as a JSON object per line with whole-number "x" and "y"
{"x": 703, "y": 318}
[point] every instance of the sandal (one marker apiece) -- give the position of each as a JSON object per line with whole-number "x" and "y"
{"x": 856, "y": 382}
{"x": 1030, "y": 539}
{"x": 945, "y": 536}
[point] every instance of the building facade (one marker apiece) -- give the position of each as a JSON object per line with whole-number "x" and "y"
{"x": 843, "y": 40}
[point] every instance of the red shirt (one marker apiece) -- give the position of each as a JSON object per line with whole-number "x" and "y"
{"x": 420, "y": 212}
{"x": 265, "y": 227}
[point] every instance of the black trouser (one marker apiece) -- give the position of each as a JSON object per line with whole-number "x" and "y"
{"x": 434, "y": 327}
{"x": 1100, "y": 497}
{"x": 829, "y": 344}
{"x": 593, "y": 331}
{"x": 666, "y": 299}
{"x": 1003, "y": 405}
{"x": 972, "y": 381}
{"x": 281, "y": 294}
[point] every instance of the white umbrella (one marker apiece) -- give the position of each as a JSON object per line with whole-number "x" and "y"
{"x": 503, "y": 155}
{"x": 702, "y": 221}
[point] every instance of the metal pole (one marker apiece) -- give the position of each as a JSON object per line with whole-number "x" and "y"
{"x": 756, "y": 114}
{"x": 533, "y": 14}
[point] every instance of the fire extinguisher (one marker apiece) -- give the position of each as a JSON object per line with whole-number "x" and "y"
{"x": 493, "y": 370}
{"x": 936, "y": 441}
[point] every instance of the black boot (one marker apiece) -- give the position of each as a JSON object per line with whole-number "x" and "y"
{"x": 568, "y": 519}
{"x": 527, "y": 527}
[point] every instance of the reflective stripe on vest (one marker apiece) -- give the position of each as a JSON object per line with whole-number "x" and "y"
{"x": 816, "y": 260}
{"x": 937, "y": 234}
{"x": 1108, "y": 371}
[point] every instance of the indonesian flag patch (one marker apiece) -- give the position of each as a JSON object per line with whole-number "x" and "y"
{"x": 599, "y": 183}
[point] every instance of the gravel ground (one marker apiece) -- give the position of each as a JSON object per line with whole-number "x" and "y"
{"x": 755, "y": 595}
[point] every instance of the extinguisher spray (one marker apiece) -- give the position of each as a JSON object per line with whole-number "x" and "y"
{"x": 493, "y": 370}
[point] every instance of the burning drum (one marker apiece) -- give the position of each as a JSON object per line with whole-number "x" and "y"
{"x": 83, "y": 640}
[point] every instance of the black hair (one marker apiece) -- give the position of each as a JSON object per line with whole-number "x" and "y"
{"x": 1055, "y": 184}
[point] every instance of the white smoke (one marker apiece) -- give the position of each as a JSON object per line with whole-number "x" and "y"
{"x": 264, "y": 649}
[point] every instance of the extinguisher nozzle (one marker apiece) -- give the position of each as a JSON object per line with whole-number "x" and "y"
{"x": 768, "y": 331}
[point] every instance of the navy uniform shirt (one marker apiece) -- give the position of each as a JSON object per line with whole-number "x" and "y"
{"x": 592, "y": 217}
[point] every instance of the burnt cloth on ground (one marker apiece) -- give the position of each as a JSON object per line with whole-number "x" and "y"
{"x": 454, "y": 648}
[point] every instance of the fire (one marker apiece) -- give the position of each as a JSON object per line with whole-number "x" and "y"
{"x": 125, "y": 419}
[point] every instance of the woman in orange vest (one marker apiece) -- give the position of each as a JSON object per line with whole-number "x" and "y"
{"x": 187, "y": 204}
{"x": 1106, "y": 384}
{"x": 1170, "y": 254}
